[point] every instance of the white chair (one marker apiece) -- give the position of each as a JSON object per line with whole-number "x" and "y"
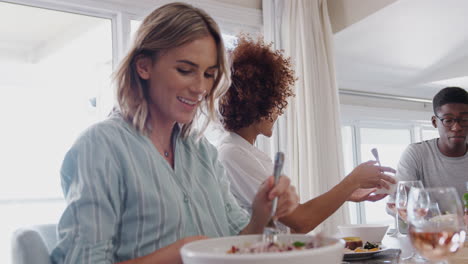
{"x": 33, "y": 245}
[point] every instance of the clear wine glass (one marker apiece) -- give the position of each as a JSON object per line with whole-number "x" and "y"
{"x": 436, "y": 227}
{"x": 391, "y": 207}
{"x": 401, "y": 202}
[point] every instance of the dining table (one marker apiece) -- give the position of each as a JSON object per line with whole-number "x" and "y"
{"x": 397, "y": 249}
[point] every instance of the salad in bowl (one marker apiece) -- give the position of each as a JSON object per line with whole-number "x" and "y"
{"x": 246, "y": 249}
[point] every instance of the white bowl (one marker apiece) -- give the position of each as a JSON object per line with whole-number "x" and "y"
{"x": 367, "y": 233}
{"x": 211, "y": 251}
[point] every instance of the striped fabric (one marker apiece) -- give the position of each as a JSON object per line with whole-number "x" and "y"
{"x": 125, "y": 201}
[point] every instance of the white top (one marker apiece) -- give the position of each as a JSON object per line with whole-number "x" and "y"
{"x": 246, "y": 166}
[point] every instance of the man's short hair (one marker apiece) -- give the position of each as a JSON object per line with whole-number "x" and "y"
{"x": 449, "y": 95}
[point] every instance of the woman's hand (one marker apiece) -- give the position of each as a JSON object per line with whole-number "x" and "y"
{"x": 368, "y": 175}
{"x": 288, "y": 200}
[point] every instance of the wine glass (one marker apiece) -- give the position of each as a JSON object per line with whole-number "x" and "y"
{"x": 401, "y": 201}
{"x": 391, "y": 208}
{"x": 435, "y": 218}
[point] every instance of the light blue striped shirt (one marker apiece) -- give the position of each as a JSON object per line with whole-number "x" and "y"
{"x": 125, "y": 201}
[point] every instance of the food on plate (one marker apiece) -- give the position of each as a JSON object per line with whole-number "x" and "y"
{"x": 358, "y": 250}
{"x": 352, "y": 242}
{"x": 370, "y": 245}
{"x": 352, "y": 248}
{"x": 261, "y": 247}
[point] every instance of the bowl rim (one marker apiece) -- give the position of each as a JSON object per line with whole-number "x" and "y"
{"x": 187, "y": 252}
{"x": 363, "y": 226}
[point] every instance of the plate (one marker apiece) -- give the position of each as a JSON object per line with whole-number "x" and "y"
{"x": 361, "y": 255}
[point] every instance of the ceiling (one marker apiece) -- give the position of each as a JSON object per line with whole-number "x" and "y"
{"x": 407, "y": 48}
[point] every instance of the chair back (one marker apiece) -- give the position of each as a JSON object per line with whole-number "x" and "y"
{"x": 33, "y": 245}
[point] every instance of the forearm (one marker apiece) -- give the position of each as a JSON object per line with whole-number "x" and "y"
{"x": 310, "y": 214}
{"x": 169, "y": 254}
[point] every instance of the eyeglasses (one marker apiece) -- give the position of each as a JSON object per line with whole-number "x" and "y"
{"x": 449, "y": 122}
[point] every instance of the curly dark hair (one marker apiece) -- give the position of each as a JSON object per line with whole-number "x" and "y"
{"x": 262, "y": 81}
{"x": 449, "y": 95}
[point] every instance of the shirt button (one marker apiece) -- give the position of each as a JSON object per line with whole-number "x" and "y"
{"x": 186, "y": 199}
{"x": 228, "y": 207}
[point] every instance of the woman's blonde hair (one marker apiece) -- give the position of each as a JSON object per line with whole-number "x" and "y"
{"x": 167, "y": 27}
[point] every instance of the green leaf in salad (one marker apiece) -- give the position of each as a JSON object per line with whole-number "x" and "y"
{"x": 298, "y": 244}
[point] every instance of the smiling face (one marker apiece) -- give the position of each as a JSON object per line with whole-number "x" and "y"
{"x": 178, "y": 79}
{"x": 453, "y": 137}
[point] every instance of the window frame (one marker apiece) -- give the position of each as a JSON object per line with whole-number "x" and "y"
{"x": 356, "y": 122}
{"x": 356, "y": 131}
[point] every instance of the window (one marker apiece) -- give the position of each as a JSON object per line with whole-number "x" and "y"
{"x": 55, "y": 82}
{"x": 391, "y": 143}
{"x": 134, "y": 25}
{"x": 390, "y": 138}
{"x": 429, "y": 133}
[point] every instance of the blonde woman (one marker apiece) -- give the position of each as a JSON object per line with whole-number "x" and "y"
{"x": 140, "y": 184}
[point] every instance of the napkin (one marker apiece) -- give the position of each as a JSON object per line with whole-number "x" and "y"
{"x": 392, "y": 190}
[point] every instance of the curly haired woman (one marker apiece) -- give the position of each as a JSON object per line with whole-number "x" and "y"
{"x": 262, "y": 81}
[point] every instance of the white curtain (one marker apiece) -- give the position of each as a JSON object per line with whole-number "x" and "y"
{"x": 311, "y": 124}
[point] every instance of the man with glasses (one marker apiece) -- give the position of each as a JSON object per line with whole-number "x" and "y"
{"x": 441, "y": 161}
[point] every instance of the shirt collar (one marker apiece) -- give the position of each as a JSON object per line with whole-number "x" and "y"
{"x": 235, "y": 138}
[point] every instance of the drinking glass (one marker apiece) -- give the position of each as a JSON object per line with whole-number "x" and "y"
{"x": 401, "y": 202}
{"x": 435, "y": 219}
{"x": 391, "y": 207}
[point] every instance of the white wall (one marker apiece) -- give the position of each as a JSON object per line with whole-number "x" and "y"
{"x": 344, "y": 13}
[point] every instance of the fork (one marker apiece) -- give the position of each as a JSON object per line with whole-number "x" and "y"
{"x": 376, "y": 156}
{"x": 271, "y": 231}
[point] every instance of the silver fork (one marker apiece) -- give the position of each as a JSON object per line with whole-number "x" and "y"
{"x": 376, "y": 156}
{"x": 271, "y": 231}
